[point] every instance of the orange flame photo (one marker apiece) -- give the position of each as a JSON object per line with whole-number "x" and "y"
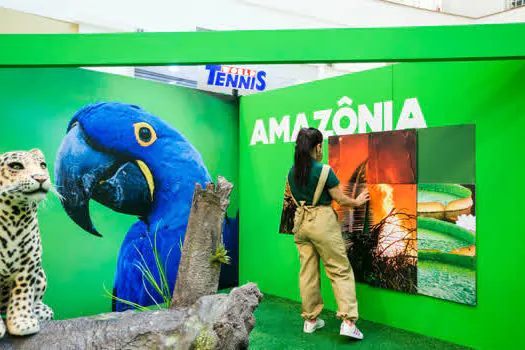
{"x": 381, "y": 237}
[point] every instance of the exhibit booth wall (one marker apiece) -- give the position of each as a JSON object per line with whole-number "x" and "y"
{"x": 485, "y": 93}
{"x": 36, "y": 107}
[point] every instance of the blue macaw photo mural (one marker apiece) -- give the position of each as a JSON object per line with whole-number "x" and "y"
{"x": 135, "y": 163}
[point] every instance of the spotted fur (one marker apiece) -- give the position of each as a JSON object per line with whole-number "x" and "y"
{"x": 24, "y": 183}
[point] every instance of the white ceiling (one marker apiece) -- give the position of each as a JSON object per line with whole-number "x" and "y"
{"x": 169, "y": 15}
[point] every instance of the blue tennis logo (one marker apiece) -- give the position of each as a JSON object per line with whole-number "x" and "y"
{"x": 236, "y": 78}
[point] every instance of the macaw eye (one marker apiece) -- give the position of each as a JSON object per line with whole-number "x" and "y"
{"x": 145, "y": 134}
{"x": 16, "y": 166}
{"x": 43, "y": 165}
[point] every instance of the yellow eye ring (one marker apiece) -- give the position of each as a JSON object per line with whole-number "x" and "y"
{"x": 145, "y": 134}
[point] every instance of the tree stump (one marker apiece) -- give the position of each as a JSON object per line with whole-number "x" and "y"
{"x": 199, "y": 268}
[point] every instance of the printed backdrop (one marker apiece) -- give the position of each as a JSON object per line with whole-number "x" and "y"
{"x": 36, "y": 108}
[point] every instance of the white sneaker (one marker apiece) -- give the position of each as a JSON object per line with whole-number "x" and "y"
{"x": 312, "y": 327}
{"x": 351, "y": 331}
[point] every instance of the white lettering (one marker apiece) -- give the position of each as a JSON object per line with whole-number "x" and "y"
{"x": 411, "y": 108}
{"x": 344, "y": 101}
{"x": 387, "y": 116}
{"x": 300, "y": 123}
{"x": 345, "y": 112}
{"x": 259, "y": 133}
{"x": 324, "y": 116}
{"x": 279, "y": 130}
{"x": 366, "y": 118}
{"x": 380, "y": 120}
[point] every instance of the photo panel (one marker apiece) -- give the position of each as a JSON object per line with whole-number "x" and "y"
{"x": 446, "y": 236}
{"x": 380, "y": 237}
{"x": 447, "y": 155}
{"x": 348, "y": 157}
{"x": 392, "y": 157}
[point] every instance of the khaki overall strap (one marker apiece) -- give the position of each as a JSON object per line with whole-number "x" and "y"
{"x": 318, "y": 190}
{"x": 302, "y": 210}
{"x": 320, "y": 184}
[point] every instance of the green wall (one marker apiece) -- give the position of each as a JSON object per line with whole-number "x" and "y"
{"x": 36, "y": 105}
{"x": 489, "y": 94}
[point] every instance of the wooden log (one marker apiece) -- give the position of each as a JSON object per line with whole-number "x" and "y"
{"x": 220, "y": 321}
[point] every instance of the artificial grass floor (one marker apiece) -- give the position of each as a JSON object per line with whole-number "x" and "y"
{"x": 279, "y": 326}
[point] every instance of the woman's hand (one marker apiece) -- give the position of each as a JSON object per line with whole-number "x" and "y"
{"x": 363, "y": 197}
{"x": 345, "y": 201}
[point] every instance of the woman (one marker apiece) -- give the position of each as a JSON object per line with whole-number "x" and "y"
{"x": 318, "y": 235}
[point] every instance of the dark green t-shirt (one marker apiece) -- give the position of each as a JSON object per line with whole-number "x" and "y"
{"x": 307, "y": 194}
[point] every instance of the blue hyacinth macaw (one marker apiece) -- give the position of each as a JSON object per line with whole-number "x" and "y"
{"x": 135, "y": 163}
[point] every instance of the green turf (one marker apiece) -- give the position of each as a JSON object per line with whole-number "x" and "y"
{"x": 279, "y": 326}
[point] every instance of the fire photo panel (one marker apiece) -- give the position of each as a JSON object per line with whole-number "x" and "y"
{"x": 380, "y": 236}
{"x": 392, "y": 157}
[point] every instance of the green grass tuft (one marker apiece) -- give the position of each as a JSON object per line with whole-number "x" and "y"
{"x": 148, "y": 278}
{"x": 220, "y": 256}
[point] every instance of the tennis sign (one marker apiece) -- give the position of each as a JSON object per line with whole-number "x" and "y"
{"x": 236, "y": 78}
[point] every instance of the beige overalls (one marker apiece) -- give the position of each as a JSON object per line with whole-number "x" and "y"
{"x": 318, "y": 234}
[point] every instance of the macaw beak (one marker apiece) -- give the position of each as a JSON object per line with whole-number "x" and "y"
{"x": 82, "y": 172}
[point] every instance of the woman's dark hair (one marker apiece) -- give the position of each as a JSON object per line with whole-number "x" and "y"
{"x": 306, "y": 141}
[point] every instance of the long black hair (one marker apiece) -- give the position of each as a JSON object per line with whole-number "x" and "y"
{"x": 306, "y": 141}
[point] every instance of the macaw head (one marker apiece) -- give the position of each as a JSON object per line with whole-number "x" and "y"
{"x": 118, "y": 154}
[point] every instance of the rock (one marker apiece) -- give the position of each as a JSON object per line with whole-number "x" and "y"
{"x": 220, "y": 321}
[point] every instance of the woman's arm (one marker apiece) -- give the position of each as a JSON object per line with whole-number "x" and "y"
{"x": 345, "y": 201}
